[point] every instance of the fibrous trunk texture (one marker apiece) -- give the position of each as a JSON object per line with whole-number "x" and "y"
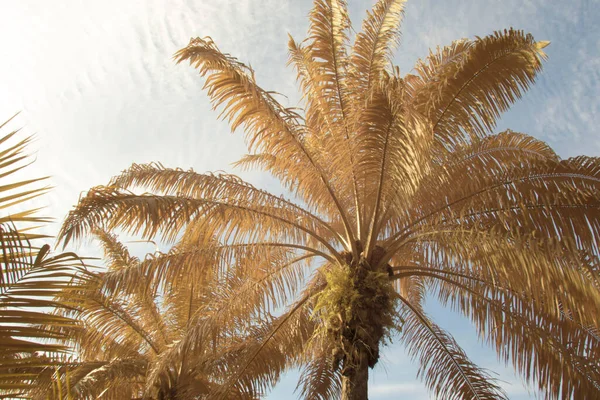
{"x": 367, "y": 318}
{"x": 355, "y": 381}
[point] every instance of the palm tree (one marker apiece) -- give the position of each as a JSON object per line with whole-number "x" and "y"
{"x": 138, "y": 333}
{"x": 30, "y": 340}
{"x": 399, "y": 190}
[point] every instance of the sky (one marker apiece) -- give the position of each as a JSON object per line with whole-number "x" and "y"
{"x": 96, "y": 83}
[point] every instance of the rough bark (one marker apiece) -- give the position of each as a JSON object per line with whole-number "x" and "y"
{"x": 355, "y": 382}
{"x": 365, "y": 309}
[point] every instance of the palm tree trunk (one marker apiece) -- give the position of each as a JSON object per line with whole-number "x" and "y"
{"x": 355, "y": 382}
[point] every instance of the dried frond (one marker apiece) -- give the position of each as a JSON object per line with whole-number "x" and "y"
{"x": 464, "y": 88}
{"x": 157, "y": 338}
{"x": 371, "y": 54}
{"x": 443, "y": 364}
{"x": 269, "y": 127}
{"x": 561, "y": 351}
{"x": 320, "y": 379}
{"x": 30, "y": 335}
{"x": 114, "y": 251}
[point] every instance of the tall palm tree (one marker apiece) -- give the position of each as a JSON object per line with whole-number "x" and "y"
{"x": 399, "y": 190}
{"x": 30, "y": 338}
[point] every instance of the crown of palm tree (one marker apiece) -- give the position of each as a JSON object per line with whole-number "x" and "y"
{"x": 138, "y": 334}
{"x": 399, "y": 189}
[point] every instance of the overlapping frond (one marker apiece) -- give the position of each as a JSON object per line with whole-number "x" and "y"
{"x": 30, "y": 336}
{"x": 556, "y": 200}
{"x": 550, "y": 349}
{"x": 326, "y": 67}
{"x": 169, "y": 215}
{"x": 275, "y": 343}
{"x": 548, "y": 297}
{"x": 372, "y": 50}
{"x": 226, "y": 326}
{"x": 322, "y": 66}
{"x": 327, "y": 46}
{"x": 320, "y": 379}
{"x": 520, "y": 265}
{"x": 115, "y": 253}
{"x": 394, "y": 147}
{"x": 270, "y": 128}
{"x": 222, "y": 186}
{"x": 157, "y": 338}
{"x": 444, "y": 366}
{"x": 519, "y": 190}
{"x": 114, "y": 379}
{"x": 463, "y": 88}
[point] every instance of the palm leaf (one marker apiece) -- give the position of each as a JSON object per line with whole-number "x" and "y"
{"x": 32, "y": 338}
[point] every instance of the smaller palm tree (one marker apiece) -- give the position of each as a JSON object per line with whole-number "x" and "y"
{"x": 160, "y": 328}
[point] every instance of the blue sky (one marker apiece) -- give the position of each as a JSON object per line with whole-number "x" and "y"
{"x": 95, "y": 81}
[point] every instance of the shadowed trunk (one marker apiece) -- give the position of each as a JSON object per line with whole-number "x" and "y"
{"x": 355, "y": 381}
{"x": 369, "y": 304}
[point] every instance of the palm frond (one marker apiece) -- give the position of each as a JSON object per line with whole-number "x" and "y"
{"x": 287, "y": 331}
{"x": 32, "y": 337}
{"x": 398, "y": 183}
{"x": 549, "y": 349}
{"x": 464, "y": 88}
{"x": 371, "y": 53}
{"x": 320, "y": 379}
{"x": 447, "y": 371}
{"x": 149, "y": 214}
{"x": 269, "y": 127}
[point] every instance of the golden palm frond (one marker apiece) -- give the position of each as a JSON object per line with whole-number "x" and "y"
{"x": 272, "y": 344}
{"x": 463, "y": 88}
{"x": 30, "y": 335}
{"x": 371, "y": 53}
{"x": 562, "y": 351}
{"x": 143, "y": 333}
{"x": 320, "y": 379}
{"x": 444, "y": 366}
{"x": 270, "y": 127}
